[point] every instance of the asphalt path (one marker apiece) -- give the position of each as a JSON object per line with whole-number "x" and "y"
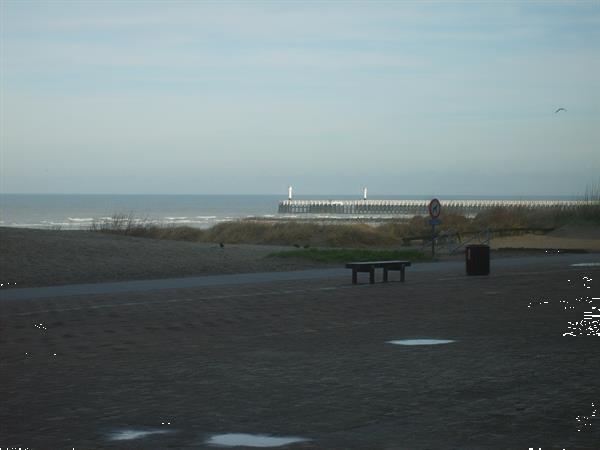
{"x": 449, "y": 267}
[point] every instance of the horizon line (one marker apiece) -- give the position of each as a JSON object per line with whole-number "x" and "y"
{"x": 300, "y": 196}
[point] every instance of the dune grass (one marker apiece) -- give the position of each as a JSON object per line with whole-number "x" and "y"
{"x": 253, "y": 232}
{"x": 341, "y": 255}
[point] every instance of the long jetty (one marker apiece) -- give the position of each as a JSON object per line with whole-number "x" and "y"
{"x": 414, "y": 207}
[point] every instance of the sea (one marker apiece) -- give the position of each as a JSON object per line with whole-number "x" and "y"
{"x": 72, "y": 211}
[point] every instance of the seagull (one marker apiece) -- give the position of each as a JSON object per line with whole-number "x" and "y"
{"x": 559, "y": 110}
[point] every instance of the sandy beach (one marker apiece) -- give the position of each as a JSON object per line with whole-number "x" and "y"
{"x": 46, "y": 258}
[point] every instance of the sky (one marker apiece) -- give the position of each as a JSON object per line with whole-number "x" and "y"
{"x": 248, "y": 97}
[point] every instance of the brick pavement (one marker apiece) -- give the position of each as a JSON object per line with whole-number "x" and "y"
{"x": 306, "y": 359}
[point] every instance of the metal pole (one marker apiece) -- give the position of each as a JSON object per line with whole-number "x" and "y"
{"x": 432, "y": 239}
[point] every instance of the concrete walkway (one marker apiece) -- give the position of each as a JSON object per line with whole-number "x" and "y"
{"x": 456, "y": 267}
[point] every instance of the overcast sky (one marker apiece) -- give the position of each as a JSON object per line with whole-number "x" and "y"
{"x": 248, "y": 97}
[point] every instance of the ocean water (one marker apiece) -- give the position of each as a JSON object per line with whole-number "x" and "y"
{"x": 80, "y": 211}
{"x": 69, "y": 211}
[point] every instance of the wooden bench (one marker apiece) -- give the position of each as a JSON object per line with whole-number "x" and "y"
{"x": 370, "y": 266}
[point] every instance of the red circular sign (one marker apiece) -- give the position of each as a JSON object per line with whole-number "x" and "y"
{"x": 435, "y": 208}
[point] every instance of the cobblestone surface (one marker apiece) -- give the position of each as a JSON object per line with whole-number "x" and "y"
{"x": 308, "y": 359}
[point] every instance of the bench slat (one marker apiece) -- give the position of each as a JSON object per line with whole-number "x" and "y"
{"x": 377, "y": 264}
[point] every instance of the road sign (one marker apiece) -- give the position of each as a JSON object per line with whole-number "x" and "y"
{"x": 435, "y": 208}
{"x": 434, "y": 221}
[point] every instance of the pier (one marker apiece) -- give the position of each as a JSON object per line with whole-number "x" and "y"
{"x": 413, "y": 207}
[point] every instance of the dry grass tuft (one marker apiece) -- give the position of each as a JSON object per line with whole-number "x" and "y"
{"x": 129, "y": 225}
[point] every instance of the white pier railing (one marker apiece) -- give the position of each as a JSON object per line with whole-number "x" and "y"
{"x": 413, "y": 207}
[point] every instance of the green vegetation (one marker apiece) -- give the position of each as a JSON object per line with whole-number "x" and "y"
{"x": 342, "y": 255}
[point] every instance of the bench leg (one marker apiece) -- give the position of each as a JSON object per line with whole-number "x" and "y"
{"x": 402, "y": 274}
{"x": 354, "y": 278}
{"x": 385, "y": 274}
{"x": 372, "y": 275}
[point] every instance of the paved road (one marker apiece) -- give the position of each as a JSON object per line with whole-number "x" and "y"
{"x": 457, "y": 267}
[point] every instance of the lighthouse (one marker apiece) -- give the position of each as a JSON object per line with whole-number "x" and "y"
{"x": 289, "y": 192}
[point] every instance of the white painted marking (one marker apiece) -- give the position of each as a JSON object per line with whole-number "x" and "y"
{"x": 592, "y": 264}
{"x": 421, "y": 341}
{"x": 252, "y": 440}
{"x": 128, "y": 434}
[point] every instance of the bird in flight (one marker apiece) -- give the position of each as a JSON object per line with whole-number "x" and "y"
{"x": 559, "y": 110}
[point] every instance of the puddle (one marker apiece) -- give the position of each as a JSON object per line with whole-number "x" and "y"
{"x": 252, "y": 440}
{"x": 126, "y": 435}
{"x": 592, "y": 264}
{"x": 421, "y": 341}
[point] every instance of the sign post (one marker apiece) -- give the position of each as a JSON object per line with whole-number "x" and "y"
{"x": 435, "y": 208}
